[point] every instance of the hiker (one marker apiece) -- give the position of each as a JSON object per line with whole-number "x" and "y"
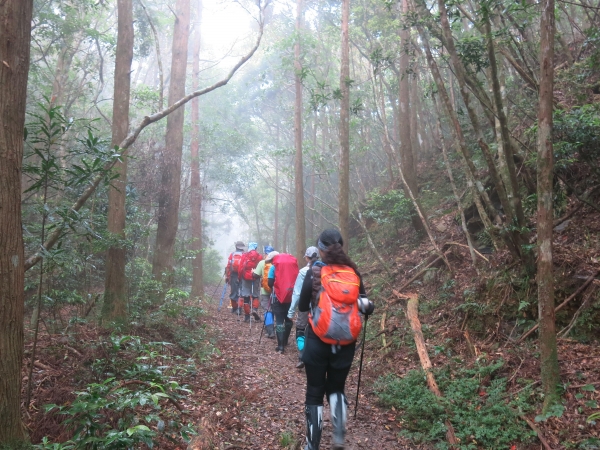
{"x": 282, "y": 276}
{"x": 329, "y": 348}
{"x": 262, "y": 273}
{"x": 311, "y": 255}
{"x": 231, "y": 274}
{"x": 248, "y": 285}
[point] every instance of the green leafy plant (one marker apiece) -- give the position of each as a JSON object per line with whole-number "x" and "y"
{"x": 479, "y": 410}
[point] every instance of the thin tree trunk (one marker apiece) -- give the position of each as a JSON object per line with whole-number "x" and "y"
{"x": 461, "y": 210}
{"x": 170, "y": 189}
{"x": 15, "y": 37}
{"x": 512, "y": 185}
{"x": 298, "y": 167}
{"x": 406, "y": 152}
{"x": 195, "y": 186}
{"x": 276, "y": 218}
{"x": 475, "y": 185}
{"x": 344, "y": 172}
{"x": 545, "y": 165}
{"x": 115, "y": 290}
{"x": 460, "y": 77}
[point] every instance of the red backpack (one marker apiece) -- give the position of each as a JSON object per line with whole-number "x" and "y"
{"x": 234, "y": 261}
{"x": 336, "y": 319}
{"x": 286, "y": 272}
{"x": 249, "y": 262}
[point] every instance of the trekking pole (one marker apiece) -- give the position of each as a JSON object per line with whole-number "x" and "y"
{"x": 222, "y": 296}
{"x": 251, "y": 305}
{"x": 213, "y": 294}
{"x": 362, "y": 352}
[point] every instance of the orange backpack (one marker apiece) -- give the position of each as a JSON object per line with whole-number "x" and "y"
{"x": 336, "y": 319}
{"x": 264, "y": 282}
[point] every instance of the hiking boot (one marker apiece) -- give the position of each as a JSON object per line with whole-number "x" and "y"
{"x": 300, "y": 365}
{"x": 270, "y": 331}
{"x": 234, "y": 310}
{"x": 256, "y": 316}
{"x": 314, "y": 426}
{"x": 287, "y": 331}
{"x": 280, "y": 340}
{"x": 337, "y": 405}
{"x": 247, "y": 318}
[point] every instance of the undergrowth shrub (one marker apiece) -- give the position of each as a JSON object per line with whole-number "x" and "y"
{"x": 475, "y": 402}
{"x": 133, "y": 402}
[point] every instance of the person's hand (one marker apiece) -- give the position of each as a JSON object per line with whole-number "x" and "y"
{"x": 226, "y": 280}
{"x": 366, "y": 306}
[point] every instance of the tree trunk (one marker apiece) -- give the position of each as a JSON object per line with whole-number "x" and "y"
{"x": 195, "y": 186}
{"x": 115, "y": 291}
{"x": 406, "y": 152}
{"x": 512, "y": 185}
{"x": 514, "y": 238}
{"x": 276, "y": 218}
{"x": 344, "y": 172}
{"x": 170, "y": 188}
{"x": 298, "y": 169}
{"x": 415, "y": 142}
{"x": 545, "y": 164}
{"x": 474, "y": 184}
{"x": 412, "y": 313}
{"x": 15, "y": 37}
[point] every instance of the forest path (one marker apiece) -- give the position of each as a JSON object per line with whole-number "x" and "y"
{"x": 260, "y": 401}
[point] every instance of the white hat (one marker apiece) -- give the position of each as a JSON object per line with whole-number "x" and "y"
{"x": 271, "y": 255}
{"x": 311, "y": 252}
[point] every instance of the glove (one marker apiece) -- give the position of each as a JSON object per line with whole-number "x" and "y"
{"x": 226, "y": 280}
{"x": 365, "y": 306}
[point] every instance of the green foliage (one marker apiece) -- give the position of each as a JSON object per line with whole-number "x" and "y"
{"x": 134, "y": 405}
{"x": 472, "y": 52}
{"x": 390, "y": 207}
{"x": 286, "y": 439}
{"x": 212, "y": 266}
{"x": 480, "y": 411}
{"x": 577, "y": 134}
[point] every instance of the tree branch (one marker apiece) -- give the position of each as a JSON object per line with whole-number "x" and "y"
{"x": 131, "y": 138}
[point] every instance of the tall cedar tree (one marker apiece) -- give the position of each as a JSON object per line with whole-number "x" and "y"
{"x": 344, "y": 186}
{"x": 299, "y": 170}
{"x": 115, "y": 299}
{"x": 406, "y": 151}
{"x": 15, "y": 37}
{"x": 170, "y": 187}
{"x": 545, "y": 213}
{"x": 195, "y": 186}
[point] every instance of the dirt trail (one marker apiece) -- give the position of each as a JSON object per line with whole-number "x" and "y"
{"x": 259, "y": 395}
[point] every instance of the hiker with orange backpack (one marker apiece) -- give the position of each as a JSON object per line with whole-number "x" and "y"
{"x": 231, "y": 274}
{"x": 311, "y": 255}
{"x": 334, "y": 294}
{"x": 249, "y": 287}
{"x": 282, "y": 276}
{"x": 262, "y": 273}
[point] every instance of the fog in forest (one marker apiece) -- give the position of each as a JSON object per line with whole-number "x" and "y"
{"x": 166, "y": 164}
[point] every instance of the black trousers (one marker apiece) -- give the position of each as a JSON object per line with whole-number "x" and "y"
{"x": 280, "y": 311}
{"x": 326, "y": 371}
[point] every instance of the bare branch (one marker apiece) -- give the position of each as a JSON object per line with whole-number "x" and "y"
{"x": 131, "y": 138}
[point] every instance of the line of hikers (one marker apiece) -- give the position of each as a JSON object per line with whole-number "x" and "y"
{"x": 330, "y": 297}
